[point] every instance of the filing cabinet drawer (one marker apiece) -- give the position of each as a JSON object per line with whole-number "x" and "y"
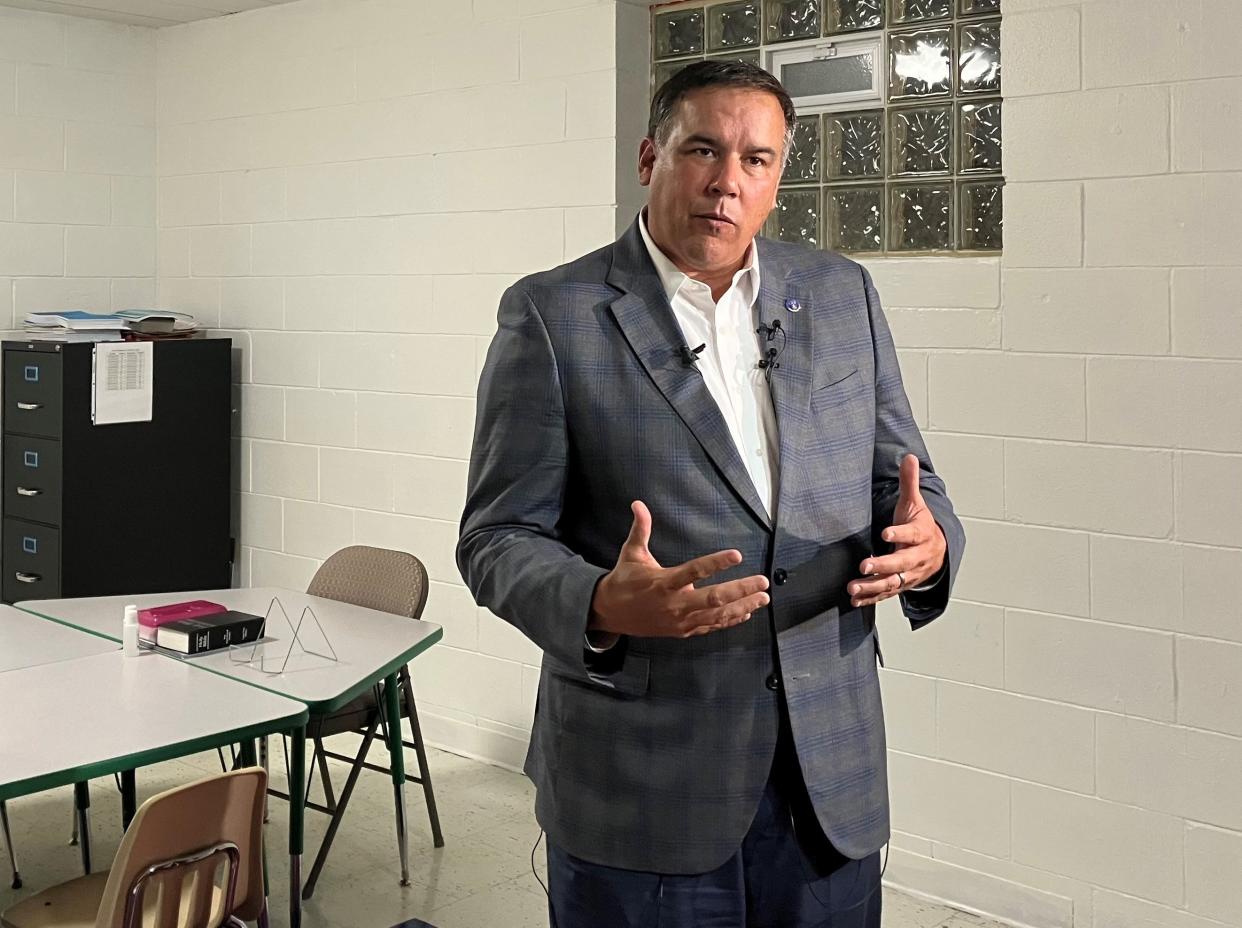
{"x": 32, "y": 478}
{"x": 31, "y": 561}
{"x": 32, "y": 393}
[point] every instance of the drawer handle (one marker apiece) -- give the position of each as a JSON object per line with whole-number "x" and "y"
{"x": 30, "y": 406}
{"x": 28, "y": 491}
{"x": 27, "y": 578}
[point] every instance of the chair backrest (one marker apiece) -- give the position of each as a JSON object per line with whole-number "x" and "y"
{"x": 375, "y": 578}
{"x": 220, "y": 811}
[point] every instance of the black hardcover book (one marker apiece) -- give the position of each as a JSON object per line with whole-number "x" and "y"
{"x": 210, "y": 632}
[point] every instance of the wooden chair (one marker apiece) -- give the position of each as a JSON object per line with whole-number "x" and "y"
{"x": 192, "y": 858}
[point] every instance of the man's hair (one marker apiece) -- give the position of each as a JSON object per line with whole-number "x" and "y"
{"x": 737, "y": 74}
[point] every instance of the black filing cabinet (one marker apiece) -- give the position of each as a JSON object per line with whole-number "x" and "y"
{"x": 134, "y": 507}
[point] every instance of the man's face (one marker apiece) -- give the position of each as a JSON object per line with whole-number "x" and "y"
{"x": 714, "y": 181}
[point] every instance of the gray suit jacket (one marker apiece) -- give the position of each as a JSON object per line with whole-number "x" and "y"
{"x": 655, "y": 757}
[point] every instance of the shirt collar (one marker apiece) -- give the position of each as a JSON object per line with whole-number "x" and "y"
{"x": 673, "y": 279}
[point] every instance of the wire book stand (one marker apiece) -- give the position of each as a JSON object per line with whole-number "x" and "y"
{"x": 256, "y": 654}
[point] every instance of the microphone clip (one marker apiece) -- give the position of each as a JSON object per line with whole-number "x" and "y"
{"x": 769, "y": 331}
{"x": 690, "y": 355}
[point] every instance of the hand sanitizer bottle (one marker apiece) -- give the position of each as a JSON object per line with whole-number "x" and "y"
{"x": 129, "y": 632}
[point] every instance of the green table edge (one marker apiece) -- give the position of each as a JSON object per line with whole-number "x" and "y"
{"x": 67, "y": 624}
{"x": 317, "y": 707}
{"x": 112, "y": 765}
{"x": 324, "y": 706}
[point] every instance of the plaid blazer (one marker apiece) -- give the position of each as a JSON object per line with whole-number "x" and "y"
{"x": 655, "y": 758}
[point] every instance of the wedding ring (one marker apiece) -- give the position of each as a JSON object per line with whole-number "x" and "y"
{"x": 901, "y": 580}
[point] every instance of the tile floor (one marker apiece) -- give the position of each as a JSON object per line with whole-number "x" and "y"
{"x": 480, "y": 879}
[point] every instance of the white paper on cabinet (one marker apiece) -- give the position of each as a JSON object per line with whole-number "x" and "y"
{"x": 123, "y": 382}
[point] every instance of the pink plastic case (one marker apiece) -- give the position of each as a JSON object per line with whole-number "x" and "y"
{"x": 151, "y": 619}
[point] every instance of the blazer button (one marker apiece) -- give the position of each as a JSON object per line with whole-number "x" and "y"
{"x": 773, "y": 682}
{"x": 779, "y": 576}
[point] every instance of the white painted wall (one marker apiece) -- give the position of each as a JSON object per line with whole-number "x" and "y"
{"x": 1066, "y": 745}
{"x": 77, "y": 164}
{"x": 346, "y": 188}
{"x": 346, "y": 196}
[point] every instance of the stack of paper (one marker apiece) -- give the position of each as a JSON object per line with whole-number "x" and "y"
{"x": 75, "y": 325}
{"x": 159, "y": 322}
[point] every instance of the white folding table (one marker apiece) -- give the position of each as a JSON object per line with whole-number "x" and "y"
{"x": 27, "y": 641}
{"x": 107, "y": 713}
{"x": 370, "y": 647}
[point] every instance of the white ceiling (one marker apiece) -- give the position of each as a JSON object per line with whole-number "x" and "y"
{"x": 143, "y": 12}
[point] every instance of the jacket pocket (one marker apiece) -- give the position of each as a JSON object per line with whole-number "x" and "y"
{"x": 632, "y": 679}
{"x": 834, "y": 379}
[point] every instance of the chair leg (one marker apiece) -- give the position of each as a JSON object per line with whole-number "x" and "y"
{"x": 8, "y": 841}
{"x": 73, "y": 835}
{"x": 339, "y": 812}
{"x": 324, "y": 778}
{"x": 424, "y": 770}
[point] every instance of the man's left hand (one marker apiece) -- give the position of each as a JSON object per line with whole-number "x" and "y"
{"x": 918, "y": 546}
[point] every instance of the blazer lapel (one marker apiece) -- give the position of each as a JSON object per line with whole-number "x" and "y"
{"x": 649, "y": 325}
{"x": 791, "y": 382}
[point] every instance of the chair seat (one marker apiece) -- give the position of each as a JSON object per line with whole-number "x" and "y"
{"x": 75, "y": 904}
{"x": 68, "y": 905}
{"x": 352, "y": 716}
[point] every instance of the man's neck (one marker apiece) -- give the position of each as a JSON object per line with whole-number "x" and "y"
{"x": 718, "y": 279}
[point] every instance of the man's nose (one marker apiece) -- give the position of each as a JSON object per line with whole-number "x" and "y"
{"x": 726, "y": 181}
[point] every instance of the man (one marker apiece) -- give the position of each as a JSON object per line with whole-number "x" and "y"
{"x": 665, "y": 426}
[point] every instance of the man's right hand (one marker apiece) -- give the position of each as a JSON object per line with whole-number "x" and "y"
{"x": 639, "y": 597}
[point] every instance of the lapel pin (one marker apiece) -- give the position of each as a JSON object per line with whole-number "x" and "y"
{"x": 793, "y": 305}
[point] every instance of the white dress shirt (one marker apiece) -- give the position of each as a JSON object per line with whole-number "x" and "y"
{"x": 729, "y": 361}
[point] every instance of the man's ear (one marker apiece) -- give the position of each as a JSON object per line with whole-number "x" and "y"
{"x": 646, "y": 160}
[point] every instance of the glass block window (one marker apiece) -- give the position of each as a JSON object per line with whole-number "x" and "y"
{"x": 916, "y": 167}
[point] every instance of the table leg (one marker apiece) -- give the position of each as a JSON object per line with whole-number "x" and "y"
{"x": 247, "y": 754}
{"x": 396, "y": 763}
{"x": 129, "y": 798}
{"x": 266, "y": 765}
{"x": 82, "y": 803}
{"x": 297, "y": 798}
{"x": 8, "y": 840}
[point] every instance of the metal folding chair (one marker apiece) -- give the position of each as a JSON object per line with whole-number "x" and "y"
{"x": 387, "y": 581}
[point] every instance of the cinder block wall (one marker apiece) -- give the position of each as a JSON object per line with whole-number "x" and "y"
{"x": 1066, "y": 746}
{"x": 346, "y": 187}
{"x": 77, "y": 164}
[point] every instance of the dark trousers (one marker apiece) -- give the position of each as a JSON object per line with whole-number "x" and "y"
{"x": 786, "y": 874}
